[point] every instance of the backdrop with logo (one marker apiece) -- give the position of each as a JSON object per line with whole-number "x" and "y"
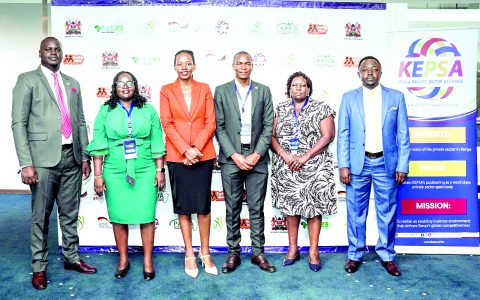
{"x": 325, "y": 40}
{"x": 438, "y": 206}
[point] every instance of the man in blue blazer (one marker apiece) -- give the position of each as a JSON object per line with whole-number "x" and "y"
{"x": 373, "y": 145}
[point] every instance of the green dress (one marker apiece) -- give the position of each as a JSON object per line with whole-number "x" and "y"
{"x": 126, "y": 203}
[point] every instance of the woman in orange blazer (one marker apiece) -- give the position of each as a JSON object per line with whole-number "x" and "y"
{"x": 187, "y": 114}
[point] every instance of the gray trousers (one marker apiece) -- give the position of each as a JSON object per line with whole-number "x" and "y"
{"x": 255, "y": 182}
{"x": 62, "y": 184}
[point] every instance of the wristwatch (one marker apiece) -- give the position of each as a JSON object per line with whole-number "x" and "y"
{"x": 162, "y": 169}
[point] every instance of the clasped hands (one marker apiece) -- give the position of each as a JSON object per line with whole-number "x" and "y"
{"x": 295, "y": 163}
{"x": 246, "y": 163}
{"x": 192, "y": 156}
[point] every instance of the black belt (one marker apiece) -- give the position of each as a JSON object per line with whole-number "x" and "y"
{"x": 374, "y": 155}
{"x": 67, "y": 146}
{"x": 245, "y": 146}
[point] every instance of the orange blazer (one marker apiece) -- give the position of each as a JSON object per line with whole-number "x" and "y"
{"x": 183, "y": 128}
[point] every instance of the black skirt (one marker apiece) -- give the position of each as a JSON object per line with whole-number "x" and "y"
{"x": 191, "y": 186}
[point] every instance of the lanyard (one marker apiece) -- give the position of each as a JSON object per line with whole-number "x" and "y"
{"x": 240, "y": 97}
{"x": 295, "y": 127}
{"x": 129, "y": 114}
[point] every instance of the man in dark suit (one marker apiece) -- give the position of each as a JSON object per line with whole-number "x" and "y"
{"x": 244, "y": 114}
{"x": 373, "y": 146}
{"x": 50, "y": 138}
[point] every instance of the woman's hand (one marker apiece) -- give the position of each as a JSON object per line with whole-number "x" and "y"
{"x": 297, "y": 162}
{"x": 192, "y": 156}
{"x": 99, "y": 185}
{"x": 160, "y": 180}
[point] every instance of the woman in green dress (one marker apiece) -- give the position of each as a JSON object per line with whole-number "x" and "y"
{"x": 127, "y": 150}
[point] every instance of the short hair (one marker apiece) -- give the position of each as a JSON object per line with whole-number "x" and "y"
{"x": 369, "y": 57}
{"x": 189, "y": 52}
{"x": 300, "y": 74}
{"x": 241, "y": 53}
{"x": 50, "y": 38}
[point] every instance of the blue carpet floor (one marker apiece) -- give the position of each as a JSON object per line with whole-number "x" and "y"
{"x": 424, "y": 276}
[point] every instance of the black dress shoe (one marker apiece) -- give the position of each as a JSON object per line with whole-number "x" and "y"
{"x": 391, "y": 268}
{"x": 39, "y": 280}
{"x": 231, "y": 263}
{"x": 80, "y": 266}
{"x": 261, "y": 261}
{"x": 123, "y": 272}
{"x": 352, "y": 266}
{"x": 148, "y": 275}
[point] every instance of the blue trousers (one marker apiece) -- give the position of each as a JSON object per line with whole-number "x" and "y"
{"x": 358, "y": 197}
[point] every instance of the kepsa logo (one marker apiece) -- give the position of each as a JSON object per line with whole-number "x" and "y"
{"x": 317, "y": 29}
{"x": 73, "y": 59}
{"x": 110, "y": 60}
{"x": 244, "y": 223}
{"x": 222, "y": 27}
{"x": 353, "y": 31}
{"x": 351, "y": 62}
{"x": 73, "y": 28}
{"x": 217, "y": 196}
{"x": 432, "y": 68}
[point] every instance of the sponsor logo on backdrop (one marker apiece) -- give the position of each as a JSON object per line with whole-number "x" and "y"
{"x": 214, "y": 57}
{"x": 176, "y": 224}
{"x": 80, "y": 222}
{"x": 432, "y": 68}
{"x": 217, "y": 196}
{"x": 156, "y": 223}
{"x": 176, "y": 27}
{"x": 304, "y": 225}
{"x": 324, "y": 60}
{"x": 244, "y": 223}
{"x": 146, "y": 61}
{"x": 104, "y": 223}
{"x": 317, "y": 29}
{"x": 73, "y": 59}
{"x": 96, "y": 197}
{"x": 104, "y": 92}
{"x": 244, "y": 197}
{"x": 341, "y": 196}
{"x": 257, "y": 27}
{"x": 73, "y": 28}
{"x": 287, "y": 28}
{"x": 279, "y": 224}
{"x": 145, "y": 91}
{"x": 222, "y": 27}
{"x": 110, "y": 60}
{"x": 162, "y": 196}
{"x": 217, "y": 224}
{"x": 114, "y": 28}
{"x": 353, "y": 31}
{"x": 259, "y": 59}
{"x": 351, "y": 61}
{"x": 149, "y": 27}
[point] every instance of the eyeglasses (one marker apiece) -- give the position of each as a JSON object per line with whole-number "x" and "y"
{"x": 122, "y": 84}
{"x": 299, "y": 85}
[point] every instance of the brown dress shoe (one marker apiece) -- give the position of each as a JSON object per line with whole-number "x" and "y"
{"x": 391, "y": 268}
{"x": 81, "y": 267}
{"x": 261, "y": 261}
{"x": 231, "y": 263}
{"x": 352, "y": 266}
{"x": 39, "y": 280}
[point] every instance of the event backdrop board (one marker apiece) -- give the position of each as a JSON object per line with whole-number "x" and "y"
{"x": 325, "y": 40}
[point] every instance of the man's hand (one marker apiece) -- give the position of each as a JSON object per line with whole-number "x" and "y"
{"x": 242, "y": 162}
{"x": 253, "y": 158}
{"x": 400, "y": 177}
{"x": 86, "y": 169}
{"x": 29, "y": 175}
{"x": 345, "y": 175}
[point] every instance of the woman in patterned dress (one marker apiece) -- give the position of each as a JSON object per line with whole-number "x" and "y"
{"x": 302, "y": 169}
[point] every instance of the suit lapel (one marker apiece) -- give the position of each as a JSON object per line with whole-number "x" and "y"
{"x": 67, "y": 86}
{"x": 233, "y": 95}
{"x": 46, "y": 84}
{"x": 254, "y": 96}
{"x": 177, "y": 91}
{"x": 385, "y": 103}
{"x": 360, "y": 104}
{"x": 195, "y": 97}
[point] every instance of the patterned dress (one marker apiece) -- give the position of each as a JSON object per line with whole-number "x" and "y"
{"x": 311, "y": 191}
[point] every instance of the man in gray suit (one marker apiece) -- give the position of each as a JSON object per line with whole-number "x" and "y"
{"x": 50, "y": 138}
{"x": 244, "y": 114}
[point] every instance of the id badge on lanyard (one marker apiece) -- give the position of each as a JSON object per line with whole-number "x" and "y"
{"x": 294, "y": 145}
{"x": 130, "y": 148}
